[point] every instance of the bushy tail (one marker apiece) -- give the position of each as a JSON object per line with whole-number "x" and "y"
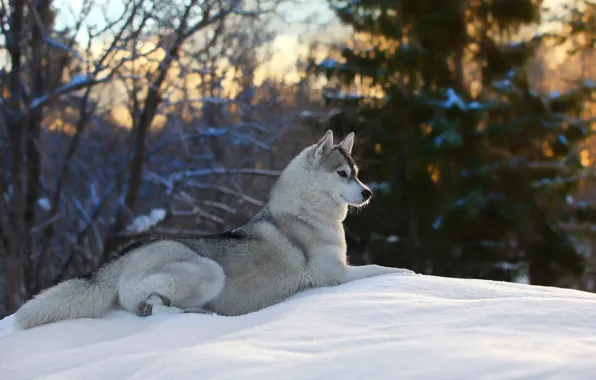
{"x": 77, "y": 298}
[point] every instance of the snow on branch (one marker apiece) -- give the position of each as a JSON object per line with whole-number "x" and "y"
{"x": 77, "y": 83}
{"x": 340, "y": 95}
{"x": 44, "y": 204}
{"x": 454, "y": 100}
{"x": 347, "y": 7}
{"x": 585, "y": 84}
{"x": 329, "y": 64}
{"x": 204, "y": 172}
{"x": 144, "y": 223}
{"x": 62, "y": 46}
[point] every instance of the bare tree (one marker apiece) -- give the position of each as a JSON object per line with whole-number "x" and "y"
{"x": 74, "y": 182}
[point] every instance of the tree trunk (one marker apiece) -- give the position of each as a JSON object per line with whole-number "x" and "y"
{"x": 13, "y": 281}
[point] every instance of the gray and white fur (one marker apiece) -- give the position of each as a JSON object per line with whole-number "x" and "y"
{"x": 295, "y": 242}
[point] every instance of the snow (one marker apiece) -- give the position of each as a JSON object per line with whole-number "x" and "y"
{"x": 144, "y": 223}
{"x": 474, "y": 105}
{"x": 44, "y": 203}
{"x": 453, "y": 100}
{"x": 449, "y": 138}
{"x": 214, "y": 132}
{"x": 388, "y": 327}
{"x": 507, "y": 266}
{"x": 346, "y": 8}
{"x": 305, "y": 114}
{"x": 555, "y": 94}
{"x": 588, "y": 83}
{"x": 342, "y": 95}
{"x": 522, "y": 279}
{"x": 62, "y": 46}
{"x": 503, "y": 84}
{"x": 77, "y": 82}
{"x": 328, "y": 63}
{"x": 79, "y": 79}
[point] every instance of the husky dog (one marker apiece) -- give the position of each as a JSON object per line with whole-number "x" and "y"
{"x": 295, "y": 242}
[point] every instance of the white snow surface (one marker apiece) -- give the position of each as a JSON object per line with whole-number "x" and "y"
{"x": 387, "y": 327}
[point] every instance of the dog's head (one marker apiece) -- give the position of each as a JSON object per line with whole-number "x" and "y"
{"x": 336, "y": 173}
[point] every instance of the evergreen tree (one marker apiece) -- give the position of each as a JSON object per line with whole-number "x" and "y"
{"x": 471, "y": 166}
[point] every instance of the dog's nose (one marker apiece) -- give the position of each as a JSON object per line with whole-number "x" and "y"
{"x": 366, "y": 194}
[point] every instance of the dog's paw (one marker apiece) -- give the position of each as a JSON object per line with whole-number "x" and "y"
{"x": 144, "y": 309}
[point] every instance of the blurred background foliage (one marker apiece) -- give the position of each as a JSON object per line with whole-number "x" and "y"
{"x": 136, "y": 118}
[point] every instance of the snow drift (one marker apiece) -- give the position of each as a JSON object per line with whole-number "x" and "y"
{"x": 388, "y": 327}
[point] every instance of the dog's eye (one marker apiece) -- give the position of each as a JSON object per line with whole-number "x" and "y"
{"x": 342, "y": 173}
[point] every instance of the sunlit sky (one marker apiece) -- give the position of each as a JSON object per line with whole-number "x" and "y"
{"x": 293, "y": 29}
{"x": 294, "y": 32}
{"x": 292, "y": 36}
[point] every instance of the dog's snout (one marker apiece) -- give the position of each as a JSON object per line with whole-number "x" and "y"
{"x": 366, "y": 194}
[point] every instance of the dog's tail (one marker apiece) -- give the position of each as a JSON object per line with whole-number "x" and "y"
{"x": 85, "y": 297}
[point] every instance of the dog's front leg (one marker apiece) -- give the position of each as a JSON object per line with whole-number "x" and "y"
{"x": 353, "y": 273}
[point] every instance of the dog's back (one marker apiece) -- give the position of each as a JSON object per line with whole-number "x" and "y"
{"x": 264, "y": 261}
{"x": 297, "y": 241}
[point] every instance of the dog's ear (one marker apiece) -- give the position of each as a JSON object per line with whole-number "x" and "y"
{"x": 324, "y": 146}
{"x": 347, "y": 143}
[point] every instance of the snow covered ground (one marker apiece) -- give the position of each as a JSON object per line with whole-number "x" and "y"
{"x": 389, "y": 327}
